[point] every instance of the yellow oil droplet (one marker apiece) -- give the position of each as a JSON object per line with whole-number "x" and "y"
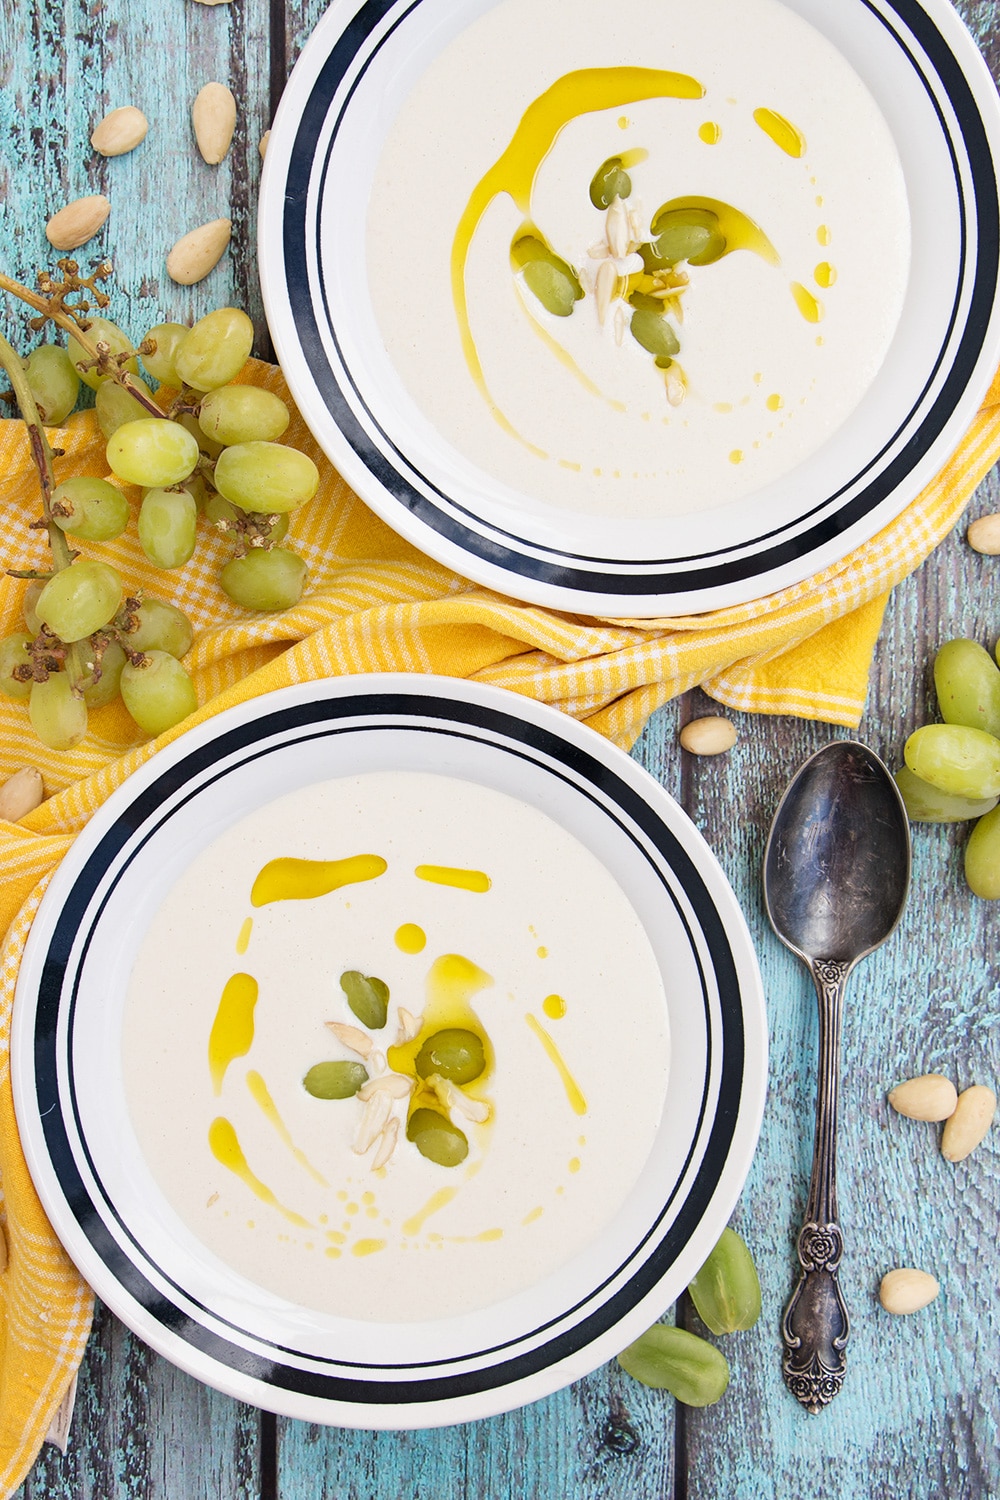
{"x": 774, "y": 402}
{"x": 232, "y": 1030}
{"x": 353, "y": 1208}
{"x": 258, "y": 1088}
{"x": 825, "y": 274}
{"x": 243, "y": 941}
{"x": 723, "y": 406}
{"x": 786, "y": 136}
{"x": 736, "y": 457}
{"x": 342, "y": 1196}
{"x": 224, "y": 1145}
{"x": 367, "y": 1247}
{"x": 336, "y": 1236}
{"x": 810, "y": 308}
{"x": 304, "y": 879}
{"x": 536, "y": 1213}
{"x": 574, "y": 1164}
{"x": 819, "y": 201}
{"x": 368, "y": 1198}
{"x": 577, "y": 1102}
{"x": 819, "y": 338}
{"x": 371, "y": 1213}
{"x": 758, "y": 377}
{"x": 410, "y": 938}
{"x": 709, "y": 132}
{"x": 554, "y": 1007}
{"x": 542, "y": 952}
{"x": 434, "y": 1204}
{"x": 581, "y": 1140}
{"x": 567, "y": 463}
{"x": 332, "y": 1252}
{"x": 623, "y": 122}
{"x": 823, "y": 234}
{"x": 463, "y": 880}
{"x": 488, "y": 1235}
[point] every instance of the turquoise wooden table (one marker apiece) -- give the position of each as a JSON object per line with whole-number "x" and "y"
{"x": 918, "y": 1415}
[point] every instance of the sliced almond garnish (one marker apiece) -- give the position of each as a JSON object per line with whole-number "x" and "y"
{"x": 452, "y": 1098}
{"x": 373, "y": 1120}
{"x": 358, "y": 1041}
{"x": 409, "y": 1026}
{"x": 396, "y": 1085}
{"x": 386, "y": 1145}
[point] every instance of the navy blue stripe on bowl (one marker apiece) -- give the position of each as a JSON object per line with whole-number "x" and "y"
{"x": 355, "y": 49}
{"x": 58, "y": 990}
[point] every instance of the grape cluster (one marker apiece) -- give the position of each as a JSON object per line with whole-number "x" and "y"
{"x": 211, "y": 447}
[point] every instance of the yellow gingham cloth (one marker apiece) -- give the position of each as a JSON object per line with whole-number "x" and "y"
{"x": 375, "y": 603}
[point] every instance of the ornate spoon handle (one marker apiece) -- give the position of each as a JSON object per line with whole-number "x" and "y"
{"x": 816, "y": 1327}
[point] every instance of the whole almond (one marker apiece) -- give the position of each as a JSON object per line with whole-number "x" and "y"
{"x": 198, "y": 251}
{"x": 213, "y": 115}
{"x": 907, "y": 1290}
{"x": 984, "y": 535}
{"x": 121, "y": 130}
{"x": 929, "y": 1097}
{"x": 967, "y": 1127}
{"x": 712, "y": 735}
{"x": 78, "y": 222}
{"x": 262, "y": 144}
{"x": 21, "y": 794}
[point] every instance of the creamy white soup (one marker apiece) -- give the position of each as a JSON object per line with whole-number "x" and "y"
{"x": 636, "y": 259}
{"x": 474, "y": 979}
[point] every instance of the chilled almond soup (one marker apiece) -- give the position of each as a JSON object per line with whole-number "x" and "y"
{"x": 409, "y": 1046}
{"x": 638, "y": 260}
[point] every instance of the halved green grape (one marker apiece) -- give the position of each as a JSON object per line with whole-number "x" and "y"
{"x": 214, "y": 351}
{"x": 108, "y": 684}
{"x": 266, "y": 477}
{"x": 241, "y": 414}
{"x": 546, "y": 274}
{"x": 367, "y": 996}
{"x": 28, "y": 603}
{"x": 79, "y": 599}
{"x": 98, "y": 512}
{"x": 160, "y": 363}
{"x": 265, "y": 580}
{"x": 674, "y": 1360}
{"x": 168, "y": 527}
{"x": 161, "y": 627}
{"x": 609, "y": 182}
{"x": 956, "y": 759}
{"x": 726, "y": 1291}
{"x": 54, "y": 382}
{"x": 335, "y": 1080}
{"x": 101, "y": 331}
{"x": 982, "y": 857}
{"x": 453, "y": 1053}
{"x": 157, "y": 692}
{"x": 654, "y": 333}
{"x": 685, "y": 234}
{"x": 57, "y": 715}
{"x": 926, "y": 804}
{"x": 967, "y": 682}
{"x": 437, "y": 1138}
{"x": 115, "y": 405}
{"x": 152, "y": 451}
{"x": 14, "y": 653}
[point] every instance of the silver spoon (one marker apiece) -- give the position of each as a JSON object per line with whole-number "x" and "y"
{"x": 836, "y": 875}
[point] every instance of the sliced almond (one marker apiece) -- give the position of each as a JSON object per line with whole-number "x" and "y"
{"x": 121, "y": 130}
{"x": 929, "y": 1097}
{"x": 409, "y": 1026}
{"x": 967, "y": 1127}
{"x": 453, "y": 1098}
{"x": 352, "y": 1036}
{"x": 907, "y": 1290}
{"x": 262, "y": 144}
{"x": 78, "y": 222}
{"x": 199, "y": 251}
{"x": 386, "y": 1144}
{"x": 712, "y": 735}
{"x": 21, "y": 794}
{"x": 984, "y": 535}
{"x": 372, "y": 1122}
{"x": 394, "y": 1084}
{"x": 213, "y": 115}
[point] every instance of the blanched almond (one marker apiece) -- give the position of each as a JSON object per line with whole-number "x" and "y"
{"x": 197, "y": 252}
{"x": 712, "y": 735}
{"x": 967, "y": 1127}
{"x": 262, "y": 144}
{"x": 21, "y": 794}
{"x": 907, "y": 1290}
{"x": 929, "y": 1097}
{"x": 213, "y": 115}
{"x": 121, "y": 130}
{"x": 984, "y": 535}
{"x": 78, "y": 222}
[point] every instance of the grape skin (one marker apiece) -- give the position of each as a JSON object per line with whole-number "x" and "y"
{"x": 168, "y": 527}
{"x": 157, "y": 692}
{"x": 58, "y": 716}
{"x": 53, "y": 381}
{"x": 100, "y": 512}
{"x": 266, "y": 477}
{"x": 80, "y": 599}
{"x": 101, "y": 331}
{"x": 265, "y": 580}
{"x": 152, "y": 452}
{"x": 215, "y": 350}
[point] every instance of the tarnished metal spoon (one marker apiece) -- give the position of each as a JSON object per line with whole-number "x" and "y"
{"x": 836, "y": 876}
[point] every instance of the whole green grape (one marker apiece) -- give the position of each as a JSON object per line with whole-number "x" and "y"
{"x": 265, "y": 580}
{"x": 241, "y": 414}
{"x": 453, "y": 1053}
{"x": 58, "y": 716}
{"x": 28, "y": 603}
{"x": 80, "y": 599}
{"x": 54, "y": 382}
{"x": 437, "y": 1138}
{"x": 158, "y": 692}
{"x": 161, "y": 627}
{"x": 214, "y": 351}
{"x": 205, "y": 444}
{"x": 103, "y": 331}
{"x": 160, "y": 364}
{"x": 982, "y": 857}
{"x": 266, "y": 477}
{"x": 967, "y": 682}
{"x": 153, "y": 452}
{"x": 98, "y": 511}
{"x": 958, "y": 760}
{"x": 926, "y": 804}
{"x": 108, "y": 685}
{"x": 168, "y": 527}
{"x": 14, "y": 653}
{"x": 115, "y": 405}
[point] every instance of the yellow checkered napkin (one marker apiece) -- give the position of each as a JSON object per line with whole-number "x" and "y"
{"x": 376, "y": 604}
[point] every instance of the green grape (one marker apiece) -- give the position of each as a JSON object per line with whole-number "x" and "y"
{"x": 982, "y": 857}
{"x": 152, "y": 452}
{"x": 14, "y": 653}
{"x": 160, "y": 364}
{"x": 925, "y": 804}
{"x": 671, "y": 1359}
{"x": 98, "y": 512}
{"x": 168, "y": 527}
{"x": 58, "y": 716}
{"x": 551, "y": 279}
{"x": 101, "y": 331}
{"x": 158, "y": 693}
{"x": 610, "y": 181}
{"x": 691, "y": 234}
{"x": 961, "y": 761}
{"x": 968, "y": 686}
{"x": 108, "y": 685}
{"x": 266, "y": 477}
{"x": 726, "y": 1291}
{"x": 31, "y": 597}
{"x": 265, "y": 580}
{"x": 218, "y": 508}
{"x": 241, "y": 413}
{"x": 161, "y": 627}
{"x": 652, "y": 331}
{"x": 214, "y": 351}
{"x": 54, "y": 382}
{"x": 115, "y": 405}
{"x": 452, "y": 1053}
{"x": 367, "y": 996}
{"x": 79, "y": 599}
{"x": 437, "y": 1138}
{"x": 206, "y": 444}
{"x": 335, "y": 1080}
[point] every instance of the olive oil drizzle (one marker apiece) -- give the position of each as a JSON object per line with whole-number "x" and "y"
{"x": 232, "y": 1030}
{"x": 786, "y": 136}
{"x": 577, "y": 1102}
{"x": 305, "y": 879}
{"x": 463, "y": 880}
{"x": 224, "y": 1145}
{"x": 262, "y": 1097}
